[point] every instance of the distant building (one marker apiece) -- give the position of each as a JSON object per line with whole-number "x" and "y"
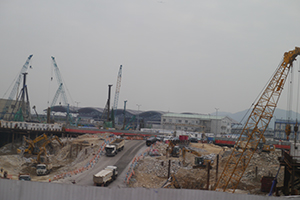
{"x": 279, "y": 129}
{"x": 197, "y": 123}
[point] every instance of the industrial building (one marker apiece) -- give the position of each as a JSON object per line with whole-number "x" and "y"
{"x": 197, "y": 123}
{"x": 279, "y": 129}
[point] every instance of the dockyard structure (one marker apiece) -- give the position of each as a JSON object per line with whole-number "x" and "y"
{"x": 197, "y": 123}
{"x": 279, "y": 129}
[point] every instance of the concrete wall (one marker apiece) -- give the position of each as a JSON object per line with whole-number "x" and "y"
{"x": 24, "y": 190}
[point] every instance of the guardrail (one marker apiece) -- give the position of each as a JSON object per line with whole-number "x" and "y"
{"x": 88, "y": 166}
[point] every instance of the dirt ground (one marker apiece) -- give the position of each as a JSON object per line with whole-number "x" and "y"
{"x": 75, "y": 153}
{"x": 152, "y": 172}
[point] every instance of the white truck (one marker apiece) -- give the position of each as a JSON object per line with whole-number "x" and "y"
{"x": 105, "y": 176}
{"x": 114, "y": 147}
{"x": 43, "y": 169}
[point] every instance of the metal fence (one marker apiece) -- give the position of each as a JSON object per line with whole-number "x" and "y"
{"x": 26, "y": 190}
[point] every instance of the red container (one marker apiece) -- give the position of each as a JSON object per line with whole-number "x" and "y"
{"x": 183, "y": 137}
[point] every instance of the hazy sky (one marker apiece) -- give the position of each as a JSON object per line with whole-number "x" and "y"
{"x": 177, "y": 55}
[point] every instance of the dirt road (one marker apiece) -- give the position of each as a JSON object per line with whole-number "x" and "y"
{"x": 121, "y": 160}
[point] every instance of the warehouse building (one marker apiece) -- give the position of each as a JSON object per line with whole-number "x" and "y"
{"x": 197, "y": 123}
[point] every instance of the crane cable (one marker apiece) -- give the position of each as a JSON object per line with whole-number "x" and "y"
{"x": 258, "y": 96}
{"x": 297, "y": 106}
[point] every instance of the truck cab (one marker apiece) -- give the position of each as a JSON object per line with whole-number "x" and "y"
{"x": 43, "y": 169}
{"x": 24, "y": 177}
{"x": 111, "y": 150}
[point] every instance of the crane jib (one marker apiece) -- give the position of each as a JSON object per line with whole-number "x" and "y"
{"x": 255, "y": 126}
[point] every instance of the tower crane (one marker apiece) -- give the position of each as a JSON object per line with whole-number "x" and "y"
{"x": 256, "y": 125}
{"x": 61, "y": 89}
{"x": 13, "y": 93}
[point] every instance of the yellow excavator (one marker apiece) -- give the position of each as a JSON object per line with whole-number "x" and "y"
{"x": 31, "y": 148}
{"x": 200, "y": 160}
{"x": 173, "y": 150}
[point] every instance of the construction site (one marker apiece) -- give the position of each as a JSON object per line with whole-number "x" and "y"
{"x": 108, "y": 155}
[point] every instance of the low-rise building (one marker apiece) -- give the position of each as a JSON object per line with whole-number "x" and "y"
{"x": 197, "y": 123}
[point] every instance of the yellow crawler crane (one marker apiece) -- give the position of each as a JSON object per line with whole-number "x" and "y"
{"x": 256, "y": 125}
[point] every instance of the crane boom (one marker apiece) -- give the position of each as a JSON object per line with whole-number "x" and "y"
{"x": 256, "y": 125}
{"x": 61, "y": 89}
{"x": 118, "y": 87}
{"x": 13, "y": 93}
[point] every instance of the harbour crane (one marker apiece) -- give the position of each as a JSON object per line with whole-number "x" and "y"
{"x": 14, "y": 91}
{"x": 256, "y": 125}
{"x": 61, "y": 89}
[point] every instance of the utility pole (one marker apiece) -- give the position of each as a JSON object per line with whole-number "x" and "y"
{"x": 216, "y": 121}
{"x": 124, "y": 113}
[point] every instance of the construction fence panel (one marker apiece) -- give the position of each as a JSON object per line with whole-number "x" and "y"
{"x": 29, "y": 190}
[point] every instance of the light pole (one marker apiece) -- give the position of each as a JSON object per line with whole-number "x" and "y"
{"x": 138, "y": 117}
{"x": 216, "y": 121}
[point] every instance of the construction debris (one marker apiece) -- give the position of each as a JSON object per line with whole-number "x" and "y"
{"x": 152, "y": 172}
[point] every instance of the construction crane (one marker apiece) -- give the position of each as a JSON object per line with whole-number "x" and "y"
{"x": 61, "y": 89}
{"x": 256, "y": 125}
{"x": 13, "y": 93}
{"x": 118, "y": 87}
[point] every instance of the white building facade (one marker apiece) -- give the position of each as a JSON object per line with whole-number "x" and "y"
{"x": 196, "y": 123}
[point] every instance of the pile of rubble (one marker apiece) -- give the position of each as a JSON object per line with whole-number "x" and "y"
{"x": 152, "y": 172}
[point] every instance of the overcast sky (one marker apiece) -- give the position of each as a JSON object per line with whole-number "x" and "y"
{"x": 177, "y": 55}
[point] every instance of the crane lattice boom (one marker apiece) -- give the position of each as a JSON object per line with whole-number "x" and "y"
{"x": 61, "y": 89}
{"x": 256, "y": 125}
{"x": 116, "y": 100}
{"x": 13, "y": 93}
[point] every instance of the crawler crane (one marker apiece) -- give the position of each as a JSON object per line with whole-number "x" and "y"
{"x": 256, "y": 125}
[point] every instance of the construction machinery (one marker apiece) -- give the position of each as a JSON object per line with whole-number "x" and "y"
{"x": 200, "y": 160}
{"x": 29, "y": 148}
{"x": 173, "y": 150}
{"x": 44, "y": 165}
{"x": 13, "y": 93}
{"x": 117, "y": 92}
{"x": 61, "y": 89}
{"x": 105, "y": 176}
{"x": 256, "y": 125}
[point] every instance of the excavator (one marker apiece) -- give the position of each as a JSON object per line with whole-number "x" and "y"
{"x": 200, "y": 160}
{"x": 262, "y": 146}
{"x": 44, "y": 165}
{"x": 172, "y": 150}
{"x": 31, "y": 148}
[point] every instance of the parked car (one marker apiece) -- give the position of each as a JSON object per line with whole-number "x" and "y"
{"x": 193, "y": 139}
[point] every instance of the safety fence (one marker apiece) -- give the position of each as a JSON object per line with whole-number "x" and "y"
{"x": 89, "y": 165}
{"x": 135, "y": 160}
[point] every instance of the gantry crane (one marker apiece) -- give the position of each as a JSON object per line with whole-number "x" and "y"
{"x": 61, "y": 89}
{"x": 13, "y": 93}
{"x": 256, "y": 125}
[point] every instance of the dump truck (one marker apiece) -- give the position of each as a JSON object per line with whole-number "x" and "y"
{"x": 114, "y": 147}
{"x": 43, "y": 169}
{"x": 105, "y": 176}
